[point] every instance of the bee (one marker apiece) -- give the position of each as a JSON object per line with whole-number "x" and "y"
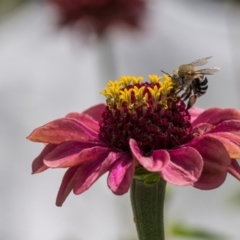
{"x": 192, "y": 82}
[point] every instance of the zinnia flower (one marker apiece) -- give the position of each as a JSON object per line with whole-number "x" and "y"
{"x": 144, "y": 131}
{"x": 100, "y": 15}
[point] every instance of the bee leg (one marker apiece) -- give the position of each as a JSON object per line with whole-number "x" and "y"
{"x": 191, "y": 101}
{"x": 179, "y": 89}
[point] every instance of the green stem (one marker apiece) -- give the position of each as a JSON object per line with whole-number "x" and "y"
{"x": 147, "y": 204}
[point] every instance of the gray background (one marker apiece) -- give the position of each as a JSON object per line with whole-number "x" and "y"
{"x": 44, "y": 74}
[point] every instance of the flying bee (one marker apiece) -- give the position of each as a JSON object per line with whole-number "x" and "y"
{"x": 192, "y": 82}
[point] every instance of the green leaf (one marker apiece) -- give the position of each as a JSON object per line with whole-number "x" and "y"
{"x": 142, "y": 174}
{"x": 186, "y": 232}
{"x": 7, "y": 6}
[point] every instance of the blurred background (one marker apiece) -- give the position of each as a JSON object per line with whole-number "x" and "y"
{"x": 48, "y": 70}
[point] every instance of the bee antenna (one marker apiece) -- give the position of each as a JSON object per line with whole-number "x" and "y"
{"x": 166, "y": 73}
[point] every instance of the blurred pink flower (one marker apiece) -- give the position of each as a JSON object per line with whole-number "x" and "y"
{"x": 99, "y": 15}
{"x": 143, "y": 126}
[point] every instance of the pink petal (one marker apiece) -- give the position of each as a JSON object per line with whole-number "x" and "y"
{"x": 90, "y": 172}
{"x": 232, "y": 126}
{"x": 71, "y": 153}
{"x": 202, "y": 128}
{"x": 195, "y": 112}
{"x": 224, "y": 115}
{"x": 216, "y": 162}
{"x": 204, "y": 116}
{"x": 66, "y": 185}
{"x": 215, "y": 116}
{"x": 234, "y": 169}
{"x": 230, "y": 141}
{"x": 121, "y": 175}
{"x": 60, "y": 130}
{"x": 96, "y": 111}
{"x": 184, "y": 168}
{"x": 153, "y": 163}
{"x": 38, "y": 165}
{"x": 85, "y": 120}
{"x": 230, "y": 136}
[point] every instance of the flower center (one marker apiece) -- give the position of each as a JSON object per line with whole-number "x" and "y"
{"x": 149, "y": 112}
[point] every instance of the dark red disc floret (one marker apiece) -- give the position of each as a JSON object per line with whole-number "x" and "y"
{"x": 152, "y": 128}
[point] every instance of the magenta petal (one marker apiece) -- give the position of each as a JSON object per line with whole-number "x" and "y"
{"x": 66, "y": 185}
{"x": 85, "y": 120}
{"x": 152, "y": 163}
{"x": 204, "y": 116}
{"x": 184, "y": 168}
{"x": 121, "y": 175}
{"x": 216, "y": 162}
{"x": 224, "y": 115}
{"x": 215, "y": 116}
{"x": 230, "y": 141}
{"x": 228, "y": 135}
{"x": 71, "y": 153}
{"x": 232, "y": 126}
{"x": 202, "y": 128}
{"x": 234, "y": 169}
{"x": 195, "y": 112}
{"x": 90, "y": 172}
{"x": 60, "y": 130}
{"x": 96, "y": 111}
{"x": 38, "y": 164}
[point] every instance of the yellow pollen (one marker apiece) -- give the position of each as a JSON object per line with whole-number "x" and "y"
{"x": 125, "y": 81}
{"x": 137, "y": 80}
{"x": 155, "y": 92}
{"x": 132, "y": 93}
{"x": 125, "y": 96}
{"x": 167, "y": 85}
{"x": 154, "y": 79}
{"x": 141, "y": 98}
{"x": 128, "y": 80}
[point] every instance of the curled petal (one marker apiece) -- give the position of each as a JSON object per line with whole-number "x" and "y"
{"x": 153, "y": 163}
{"x": 63, "y": 129}
{"x": 224, "y": 115}
{"x": 234, "y": 169}
{"x": 121, "y": 175}
{"x": 230, "y": 141}
{"x": 85, "y": 120}
{"x": 205, "y": 116}
{"x": 232, "y": 126}
{"x": 71, "y": 153}
{"x": 215, "y": 116}
{"x": 184, "y": 168}
{"x": 96, "y": 111}
{"x": 216, "y": 162}
{"x": 89, "y": 173}
{"x": 195, "y": 112}
{"x": 38, "y": 164}
{"x": 66, "y": 185}
{"x": 230, "y": 136}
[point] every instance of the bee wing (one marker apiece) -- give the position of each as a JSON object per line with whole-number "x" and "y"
{"x": 200, "y": 62}
{"x": 208, "y": 71}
